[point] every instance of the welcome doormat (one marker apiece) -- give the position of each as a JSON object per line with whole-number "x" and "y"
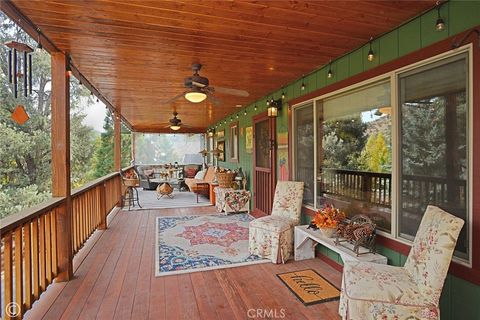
{"x": 309, "y": 287}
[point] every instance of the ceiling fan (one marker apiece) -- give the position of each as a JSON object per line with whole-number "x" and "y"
{"x": 175, "y": 123}
{"x": 198, "y": 89}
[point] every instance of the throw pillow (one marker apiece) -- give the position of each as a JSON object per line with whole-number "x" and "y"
{"x": 190, "y": 172}
{"x": 201, "y": 174}
{"x": 148, "y": 173}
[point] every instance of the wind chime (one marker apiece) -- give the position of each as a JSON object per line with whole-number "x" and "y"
{"x": 20, "y": 68}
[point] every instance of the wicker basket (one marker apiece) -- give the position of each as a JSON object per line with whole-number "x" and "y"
{"x": 225, "y": 179}
{"x": 130, "y": 182}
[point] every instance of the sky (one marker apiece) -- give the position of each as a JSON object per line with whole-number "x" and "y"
{"x": 95, "y": 115}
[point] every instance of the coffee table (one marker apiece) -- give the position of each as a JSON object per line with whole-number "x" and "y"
{"x": 175, "y": 183}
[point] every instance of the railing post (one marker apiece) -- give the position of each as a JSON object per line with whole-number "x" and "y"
{"x": 103, "y": 207}
{"x": 61, "y": 162}
{"x": 117, "y": 150}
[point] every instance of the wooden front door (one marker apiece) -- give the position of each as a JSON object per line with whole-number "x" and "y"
{"x": 264, "y": 163}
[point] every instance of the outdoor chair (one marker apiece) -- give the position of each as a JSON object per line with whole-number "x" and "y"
{"x": 272, "y": 236}
{"x": 376, "y": 291}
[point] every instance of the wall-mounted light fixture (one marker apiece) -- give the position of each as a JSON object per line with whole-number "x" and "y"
{"x": 440, "y": 24}
{"x": 211, "y": 132}
{"x": 274, "y": 107}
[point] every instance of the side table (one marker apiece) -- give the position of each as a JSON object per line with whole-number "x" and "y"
{"x": 229, "y": 200}
{"x": 212, "y": 192}
{"x": 307, "y": 239}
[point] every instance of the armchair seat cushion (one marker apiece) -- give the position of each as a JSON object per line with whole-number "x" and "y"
{"x": 275, "y": 224}
{"x": 382, "y": 283}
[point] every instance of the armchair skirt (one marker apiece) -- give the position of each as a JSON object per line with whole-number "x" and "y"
{"x": 271, "y": 237}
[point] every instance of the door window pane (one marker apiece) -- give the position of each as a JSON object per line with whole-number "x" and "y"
{"x": 434, "y": 145}
{"x": 354, "y": 157}
{"x": 304, "y": 151}
{"x": 262, "y": 144}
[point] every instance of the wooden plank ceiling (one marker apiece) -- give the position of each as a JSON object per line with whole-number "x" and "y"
{"x": 137, "y": 53}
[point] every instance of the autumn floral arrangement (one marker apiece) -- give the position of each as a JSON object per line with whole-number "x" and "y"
{"x": 130, "y": 174}
{"x": 327, "y": 219}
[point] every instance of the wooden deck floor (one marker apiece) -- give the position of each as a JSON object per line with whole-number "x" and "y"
{"x": 115, "y": 279}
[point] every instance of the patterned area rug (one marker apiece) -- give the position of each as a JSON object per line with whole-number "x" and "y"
{"x": 198, "y": 243}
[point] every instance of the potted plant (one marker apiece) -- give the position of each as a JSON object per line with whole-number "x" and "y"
{"x": 327, "y": 220}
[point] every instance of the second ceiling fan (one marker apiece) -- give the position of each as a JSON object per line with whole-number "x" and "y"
{"x": 198, "y": 89}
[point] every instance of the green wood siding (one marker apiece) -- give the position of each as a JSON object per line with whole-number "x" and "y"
{"x": 459, "y": 296}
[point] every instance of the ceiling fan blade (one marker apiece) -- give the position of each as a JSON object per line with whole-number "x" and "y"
{"x": 174, "y": 98}
{"x": 198, "y": 84}
{"x": 214, "y": 99}
{"x": 233, "y": 92}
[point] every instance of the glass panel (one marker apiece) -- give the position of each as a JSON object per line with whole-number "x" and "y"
{"x": 168, "y": 148}
{"x": 262, "y": 144}
{"x": 304, "y": 151}
{"x": 434, "y": 160}
{"x": 354, "y": 156}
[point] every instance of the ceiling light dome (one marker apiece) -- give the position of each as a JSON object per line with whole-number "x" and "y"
{"x": 195, "y": 96}
{"x": 175, "y": 127}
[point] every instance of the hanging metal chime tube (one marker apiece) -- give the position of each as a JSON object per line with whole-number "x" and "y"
{"x": 15, "y": 84}
{"x": 30, "y": 73}
{"x": 25, "y": 72}
{"x": 10, "y": 66}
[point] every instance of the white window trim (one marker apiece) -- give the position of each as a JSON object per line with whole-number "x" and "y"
{"x": 393, "y": 75}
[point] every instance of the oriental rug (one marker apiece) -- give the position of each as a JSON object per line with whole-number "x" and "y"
{"x": 193, "y": 243}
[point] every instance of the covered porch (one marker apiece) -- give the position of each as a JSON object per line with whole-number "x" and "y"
{"x": 316, "y": 92}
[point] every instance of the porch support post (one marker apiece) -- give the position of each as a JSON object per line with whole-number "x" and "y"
{"x": 61, "y": 185}
{"x": 117, "y": 149}
{"x": 133, "y": 146}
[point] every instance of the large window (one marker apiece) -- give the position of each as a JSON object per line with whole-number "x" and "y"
{"x": 354, "y": 158}
{"x": 434, "y": 144}
{"x": 388, "y": 148}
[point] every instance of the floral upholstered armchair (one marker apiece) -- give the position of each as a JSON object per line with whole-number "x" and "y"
{"x": 272, "y": 236}
{"x": 374, "y": 291}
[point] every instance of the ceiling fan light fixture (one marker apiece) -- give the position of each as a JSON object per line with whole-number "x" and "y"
{"x": 175, "y": 127}
{"x": 195, "y": 95}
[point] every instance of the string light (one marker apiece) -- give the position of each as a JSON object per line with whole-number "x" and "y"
{"x": 370, "y": 55}
{"x": 245, "y": 112}
{"x": 255, "y": 107}
{"x": 330, "y": 73}
{"x": 303, "y": 84}
{"x": 283, "y": 94}
{"x": 440, "y": 24}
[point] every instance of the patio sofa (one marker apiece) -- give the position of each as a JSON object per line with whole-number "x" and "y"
{"x": 201, "y": 186}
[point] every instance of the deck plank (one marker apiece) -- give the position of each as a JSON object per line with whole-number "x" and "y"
{"x": 116, "y": 280}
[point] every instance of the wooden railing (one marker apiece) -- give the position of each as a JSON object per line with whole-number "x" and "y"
{"x": 372, "y": 187}
{"x": 29, "y": 241}
{"x": 90, "y": 205}
{"x": 376, "y": 188}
